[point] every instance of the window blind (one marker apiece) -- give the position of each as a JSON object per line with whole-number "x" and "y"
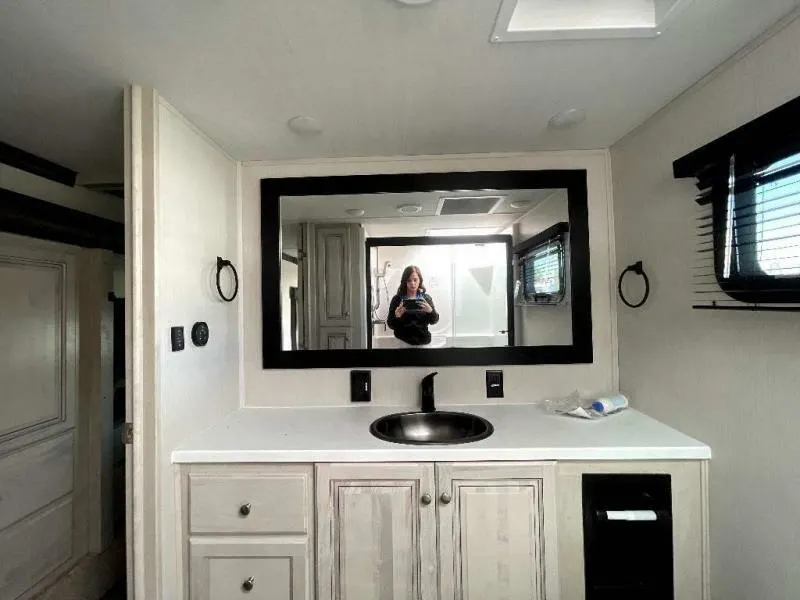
{"x": 748, "y": 215}
{"x": 543, "y": 273}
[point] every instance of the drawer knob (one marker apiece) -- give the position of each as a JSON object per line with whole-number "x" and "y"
{"x": 248, "y": 584}
{"x": 445, "y": 498}
{"x": 426, "y": 499}
{"x": 244, "y": 510}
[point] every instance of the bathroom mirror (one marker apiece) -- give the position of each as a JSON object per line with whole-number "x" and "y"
{"x": 426, "y": 269}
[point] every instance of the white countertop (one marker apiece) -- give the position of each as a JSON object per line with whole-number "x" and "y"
{"x": 521, "y": 432}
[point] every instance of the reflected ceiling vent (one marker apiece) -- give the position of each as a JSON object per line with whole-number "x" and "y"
{"x": 542, "y": 20}
{"x": 468, "y": 205}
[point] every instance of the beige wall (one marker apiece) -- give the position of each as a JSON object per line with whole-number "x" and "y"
{"x": 729, "y": 379}
{"x": 454, "y": 384}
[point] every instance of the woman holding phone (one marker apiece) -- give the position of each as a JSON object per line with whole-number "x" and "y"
{"x": 411, "y": 310}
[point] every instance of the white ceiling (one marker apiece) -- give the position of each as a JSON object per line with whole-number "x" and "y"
{"x": 384, "y": 79}
{"x": 381, "y": 218}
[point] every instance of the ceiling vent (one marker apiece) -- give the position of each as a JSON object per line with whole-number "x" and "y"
{"x": 468, "y": 205}
{"x": 542, "y": 20}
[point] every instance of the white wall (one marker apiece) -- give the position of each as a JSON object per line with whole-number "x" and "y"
{"x": 454, "y": 384}
{"x": 196, "y": 220}
{"x": 545, "y": 324}
{"x": 729, "y": 379}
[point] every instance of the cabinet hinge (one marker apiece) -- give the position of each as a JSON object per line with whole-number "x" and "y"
{"x": 127, "y": 434}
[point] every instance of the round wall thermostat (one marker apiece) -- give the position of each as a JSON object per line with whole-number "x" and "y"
{"x": 200, "y": 333}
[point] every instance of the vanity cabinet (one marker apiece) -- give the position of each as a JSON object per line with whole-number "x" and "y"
{"x": 248, "y": 532}
{"x": 455, "y": 531}
{"x": 412, "y": 531}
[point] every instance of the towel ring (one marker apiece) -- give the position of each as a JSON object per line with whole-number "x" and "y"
{"x": 221, "y": 264}
{"x": 638, "y": 269}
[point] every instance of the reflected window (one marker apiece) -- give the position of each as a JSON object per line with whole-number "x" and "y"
{"x": 542, "y": 269}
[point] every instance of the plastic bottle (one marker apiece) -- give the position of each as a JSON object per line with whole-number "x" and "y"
{"x": 610, "y": 404}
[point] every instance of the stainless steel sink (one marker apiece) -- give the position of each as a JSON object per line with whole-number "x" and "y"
{"x": 438, "y": 427}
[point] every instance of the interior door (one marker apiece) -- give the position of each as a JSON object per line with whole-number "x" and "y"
{"x": 334, "y": 261}
{"x": 497, "y": 534}
{"x": 376, "y": 532}
{"x": 43, "y": 527}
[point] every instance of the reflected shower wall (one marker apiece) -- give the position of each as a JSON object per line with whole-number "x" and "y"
{"x": 468, "y": 285}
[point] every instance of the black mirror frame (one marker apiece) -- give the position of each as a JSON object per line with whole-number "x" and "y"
{"x": 574, "y": 181}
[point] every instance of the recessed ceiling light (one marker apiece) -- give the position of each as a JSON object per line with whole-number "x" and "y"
{"x": 414, "y": 2}
{"x": 517, "y": 204}
{"x": 355, "y": 212}
{"x": 304, "y": 125}
{"x": 409, "y": 209}
{"x": 568, "y": 118}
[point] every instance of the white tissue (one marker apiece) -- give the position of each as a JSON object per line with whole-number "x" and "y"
{"x": 631, "y": 515}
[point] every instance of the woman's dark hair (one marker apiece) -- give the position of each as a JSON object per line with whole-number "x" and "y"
{"x": 407, "y": 272}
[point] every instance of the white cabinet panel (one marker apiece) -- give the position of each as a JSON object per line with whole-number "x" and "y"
{"x": 496, "y": 537}
{"x": 377, "y": 534}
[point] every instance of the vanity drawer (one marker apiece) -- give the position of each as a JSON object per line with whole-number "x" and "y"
{"x": 249, "y": 569}
{"x": 274, "y": 500}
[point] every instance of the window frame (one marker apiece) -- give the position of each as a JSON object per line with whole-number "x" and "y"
{"x": 527, "y": 250}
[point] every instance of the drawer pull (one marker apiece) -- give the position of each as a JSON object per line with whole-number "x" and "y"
{"x": 247, "y": 586}
{"x": 245, "y": 509}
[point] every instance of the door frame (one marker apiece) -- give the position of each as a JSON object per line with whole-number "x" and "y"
{"x": 141, "y": 485}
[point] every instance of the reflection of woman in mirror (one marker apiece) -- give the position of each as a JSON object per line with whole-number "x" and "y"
{"x": 411, "y": 310}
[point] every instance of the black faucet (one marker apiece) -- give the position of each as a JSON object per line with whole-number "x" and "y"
{"x": 427, "y": 393}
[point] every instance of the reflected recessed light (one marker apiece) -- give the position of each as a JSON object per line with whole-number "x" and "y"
{"x": 355, "y": 212}
{"x": 414, "y": 2}
{"x": 567, "y": 118}
{"x": 517, "y": 204}
{"x": 304, "y": 125}
{"x": 409, "y": 209}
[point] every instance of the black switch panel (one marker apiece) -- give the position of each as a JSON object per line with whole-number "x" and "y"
{"x": 200, "y": 333}
{"x": 360, "y": 386}
{"x": 177, "y": 339}
{"x": 494, "y": 384}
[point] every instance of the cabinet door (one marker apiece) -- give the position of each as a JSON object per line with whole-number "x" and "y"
{"x": 376, "y": 532}
{"x": 252, "y": 569}
{"x": 497, "y": 531}
{"x": 334, "y": 338}
{"x": 334, "y": 260}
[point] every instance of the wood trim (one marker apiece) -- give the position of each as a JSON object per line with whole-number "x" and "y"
{"x": 706, "y": 528}
{"x": 32, "y": 217}
{"x": 141, "y": 241}
{"x": 36, "y": 165}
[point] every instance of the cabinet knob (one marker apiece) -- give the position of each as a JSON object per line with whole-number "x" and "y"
{"x": 426, "y": 499}
{"x": 248, "y": 584}
{"x": 245, "y": 509}
{"x": 445, "y": 498}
